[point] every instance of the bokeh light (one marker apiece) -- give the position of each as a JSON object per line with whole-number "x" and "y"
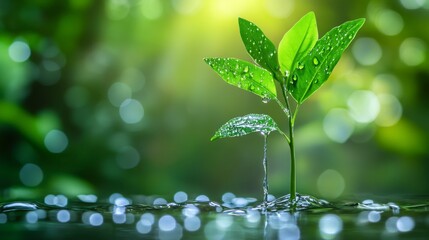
{"x": 131, "y": 111}
{"x": 56, "y": 141}
{"x": 330, "y": 225}
{"x": 412, "y": 51}
{"x": 389, "y": 22}
{"x": 19, "y": 51}
{"x": 338, "y": 125}
{"x": 331, "y": 184}
{"x": 100, "y": 97}
{"x": 367, "y": 51}
{"x": 31, "y": 175}
{"x": 364, "y": 106}
{"x": 412, "y": 4}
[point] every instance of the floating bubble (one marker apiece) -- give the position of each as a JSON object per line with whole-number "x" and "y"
{"x": 367, "y": 51}
{"x": 131, "y": 111}
{"x": 192, "y": 224}
{"x": 63, "y": 216}
{"x": 56, "y": 141}
{"x": 31, "y": 175}
{"x": 19, "y": 51}
{"x": 338, "y": 125}
{"x": 180, "y": 197}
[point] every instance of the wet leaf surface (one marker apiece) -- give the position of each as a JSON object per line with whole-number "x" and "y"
{"x": 315, "y": 68}
{"x": 244, "y": 75}
{"x": 247, "y": 124}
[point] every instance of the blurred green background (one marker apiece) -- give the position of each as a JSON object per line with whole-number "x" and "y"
{"x": 113, "y": 96}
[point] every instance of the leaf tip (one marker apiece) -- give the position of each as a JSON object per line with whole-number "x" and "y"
{"x": 214, "y": 138}
{"x": 207, "y": 60}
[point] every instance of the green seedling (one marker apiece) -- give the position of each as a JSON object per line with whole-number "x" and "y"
{"x": 299, "y": 67}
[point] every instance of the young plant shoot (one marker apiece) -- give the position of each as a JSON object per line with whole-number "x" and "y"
{"x": 299, "y": 67}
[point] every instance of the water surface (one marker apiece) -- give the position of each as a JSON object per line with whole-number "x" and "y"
{"x": 232, "y": 217}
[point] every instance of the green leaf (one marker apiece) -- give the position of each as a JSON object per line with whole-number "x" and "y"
{"x": 297, "y": 42}
{"x": 244, "y": 75}
{"x": 244, "y": 125}
{"x": 315, "y": 68}
{"x": 260, "y": 48}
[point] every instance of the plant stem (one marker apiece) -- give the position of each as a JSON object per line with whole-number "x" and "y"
{"x": 291, "y": 123}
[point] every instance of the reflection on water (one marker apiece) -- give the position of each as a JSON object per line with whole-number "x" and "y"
{"x": 234, "y": 218}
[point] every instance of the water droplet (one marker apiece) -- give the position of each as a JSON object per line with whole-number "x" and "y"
{"x": 252, "y": 87}
{"x": 287, "y": 73}
{"x": 350, "y": 36}
{"x": 315, "y": 61}
{"x": 300, "y": 66}
{"x": 295, "y": 78}
{"x": 246, "y": 69}
{"x": 265, "y": 99}
{"x": 316, "y": 81}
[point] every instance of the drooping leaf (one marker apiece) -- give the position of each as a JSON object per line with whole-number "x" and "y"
{"x": 297, "y": 42}
{"x": 245, "y": 76}
{"x": 260, "y": 48}
{"x": 244, "y": 125}
{"x": 315, "y": 68}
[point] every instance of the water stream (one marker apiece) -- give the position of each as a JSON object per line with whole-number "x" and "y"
{"x": 264, "y": 162}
